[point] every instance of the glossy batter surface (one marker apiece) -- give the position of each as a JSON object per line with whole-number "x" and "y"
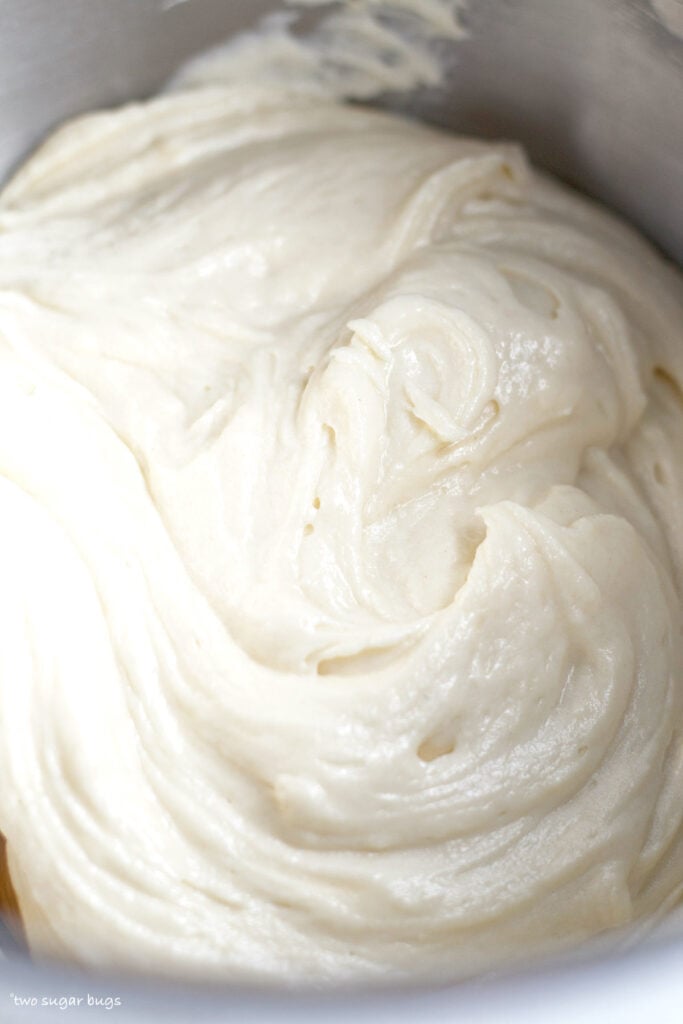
{"x": 341, "y": 507}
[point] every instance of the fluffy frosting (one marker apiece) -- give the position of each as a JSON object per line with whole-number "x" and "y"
{"x": 342, "y": 547}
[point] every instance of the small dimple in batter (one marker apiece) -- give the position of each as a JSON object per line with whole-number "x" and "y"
{"x": 341, "y": 506}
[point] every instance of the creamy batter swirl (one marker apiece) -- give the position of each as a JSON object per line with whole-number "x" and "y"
{"x": 341, "y": 505}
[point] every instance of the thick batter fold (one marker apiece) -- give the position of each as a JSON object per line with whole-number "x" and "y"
{"x": 341, "y": 526}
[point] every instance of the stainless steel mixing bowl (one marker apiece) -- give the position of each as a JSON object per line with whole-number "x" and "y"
{"x": 594, "y": 89}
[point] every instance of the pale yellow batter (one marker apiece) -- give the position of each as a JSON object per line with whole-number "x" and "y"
{"x": 341, "y": 547}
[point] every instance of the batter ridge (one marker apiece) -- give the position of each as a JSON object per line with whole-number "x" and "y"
{"x": 342, "y": 515}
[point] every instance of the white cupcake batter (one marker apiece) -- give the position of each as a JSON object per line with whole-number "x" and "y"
{"x": 341, "y": 507}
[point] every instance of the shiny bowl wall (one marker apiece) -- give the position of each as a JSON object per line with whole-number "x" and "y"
{"x": 594, "y": 89}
